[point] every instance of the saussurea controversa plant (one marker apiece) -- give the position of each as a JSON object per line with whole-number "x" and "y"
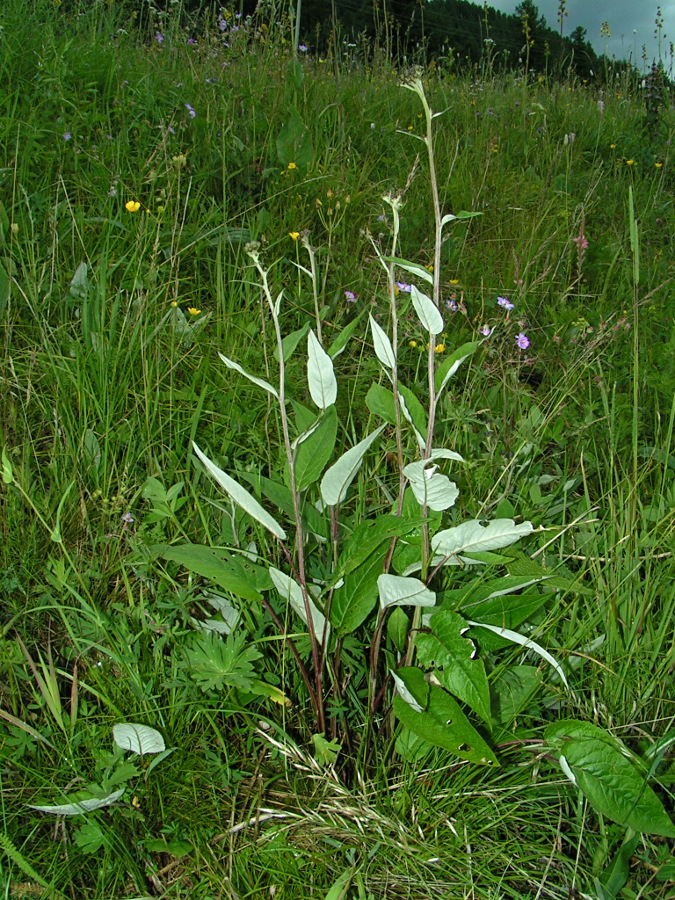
{"x": 351, "y": 574}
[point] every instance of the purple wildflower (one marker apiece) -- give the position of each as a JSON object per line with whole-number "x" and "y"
{"x": 127, "y": 517}
{"x": 190, "y": 110}
{"x": 191, "y": 41}
{"x": 350, "y": 296}
{"x": 486, "y": 330}
{"x": 451, "y": 305}
{"x": 159, "y": 37}
{"x": 502, "y": 301}
{"x": 522, "y": 341}
{"x": 402, "y": 286}
{"x": 302, "y": 48}
{"x": 67, "y": 136}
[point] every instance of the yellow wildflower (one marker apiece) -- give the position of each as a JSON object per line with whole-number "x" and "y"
{"x": 292, "y": 165}
{"x": 412, "y": 343}
{"x": 174, "y": 303}
{"x": 630, "y": 162}
{"x": 193, "y": 311}
{"x": 439, "y": 348}
{"x": 454, "y": 281}
{"x": 132, "y": 206}
{"x": 612, "y": 146}
{"x": 658, "y": 165}
{"x": 294, "y": 234}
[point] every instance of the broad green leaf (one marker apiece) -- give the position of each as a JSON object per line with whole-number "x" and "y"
{"x": 7, "y": 471}
{"x": 313, "y": 453}
{"x": 340, "y": 887}
{"x": 610, "y": 781}
{"x": 79, "y": 284}
{"x": 431, "y": 488}
{"x": 290, "y": 590}
{"x": 451, "y": 363}
{"x": 474, "y": 537}
{"x": 176, "y": 849}
{"x": 427, "y": 311}
{"x": 294, "y": 143}
{"x": 404, "y": 692}
{"x": 528, "y": 643}
{"x": 368, "y": 536}
{"x": 281, "y": 497}
{"x": 139, "y": 739}
{"x": 383, "y": 348}
{"x": 320, "y": 374}
{"x": 355, "y": 599}
{"x": 241, "y": 496}
{"x": 80, "y": 803}
{"x": 337, "y": 479}
{"x": 454, "y": 658}
{"x": 221, "y": 567}
{"x": 395, "y": 590}
{"x": 290, "y": 342}
{"x": 325, "y": 752}
{"x": 231, "y": 364}
{"x": 398, "y": 628}
{"x": 380, "y": 401}
{"x": 444, "y": 724}
{"x": 215, "y": 664}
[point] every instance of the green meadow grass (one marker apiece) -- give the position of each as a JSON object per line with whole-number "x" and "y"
{"x": 133, "y": 174}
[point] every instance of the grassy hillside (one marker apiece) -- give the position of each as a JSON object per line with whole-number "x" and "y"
{"x": 380, "y": 681}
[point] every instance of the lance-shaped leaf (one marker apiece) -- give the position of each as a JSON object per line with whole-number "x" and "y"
{"x": 414, "y": 268}
{"x": 231, "y": 364}
{"x": 337, "y": 479}
{"x": 320, "y": 374}
{"x": 396, "y": 590}
{"x": 290, "y": 590}
{"x": 382, "y": 345}
{"x": 451, "y": 363}
{"x": 405, "y": 693}
{"x": 427, "y": 311}
{"x": 526, "y": 642}
{"x": 454, "y": 657}
{"x": 472, "y": 537}
{"x": 315, "y": 449}
{"x": 241, "y": 496}
{"x": 139, "y": 739}
{"x": 82, "y": 802}
{"x": 430, "y": 487}
{"x": 290, "y": 342}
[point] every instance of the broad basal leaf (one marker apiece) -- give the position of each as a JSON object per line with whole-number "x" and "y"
{"x": 430, "y": 487}
{"x": 225, "y": 569}
{"x": 314, "y": 452}
{"x": 395, "y": 590}
{"x": 473, "y": 537}
{"x": 140, "y": 739}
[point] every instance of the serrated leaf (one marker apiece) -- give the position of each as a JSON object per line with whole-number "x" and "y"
{"x": 337, "y": 479}
{"x": 427, "y": 311}
{"x": 241, "y": 496}
{"x": 139, "y": 739}
{"x": 83, "y": 804}
{"x": 89, "y": 838}
{"x": 382, "y": 346}
{"x": 395, "y": 590}
{"x": 231, "y": 364}
{"x": 291, "y": 591}
{"x": 215, "y": 663}
{"x": 320, "y": 374}
{"x": 454, "y": 658}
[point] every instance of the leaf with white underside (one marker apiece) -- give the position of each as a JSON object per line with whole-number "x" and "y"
{"x": 290, "y": 590}
{"x": 412, "y": 268}
{"x": 231, "y": 364}
{"x": 427, "y": 311}
{"x": 337, "y": 479}
{"x": 382, "y": 346}
{"x": 140, "y": 739}
{"x": 473, "y": 537}
{"x": 395, "y": 590}
{"x": 241, "y": 496}
{"x": 430, "y": 487}
{"x": 404, "y": 693}
{"x": 525, "y": 642}
{"x": 80, "y": 806}
{"x": 320, "y": 374}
